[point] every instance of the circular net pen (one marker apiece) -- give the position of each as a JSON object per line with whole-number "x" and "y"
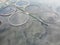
{"x": 36, "y": 25}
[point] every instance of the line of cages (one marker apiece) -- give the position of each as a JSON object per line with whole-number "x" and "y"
{"x": 25, "y": 23}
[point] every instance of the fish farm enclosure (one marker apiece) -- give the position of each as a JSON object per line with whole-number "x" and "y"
{"x": 29, "y": 22}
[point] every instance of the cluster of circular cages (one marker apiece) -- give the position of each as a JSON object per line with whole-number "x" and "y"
{"x": 47, "y": 16}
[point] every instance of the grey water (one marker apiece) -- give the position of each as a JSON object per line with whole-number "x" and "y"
{"x": 34, "y": 32}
